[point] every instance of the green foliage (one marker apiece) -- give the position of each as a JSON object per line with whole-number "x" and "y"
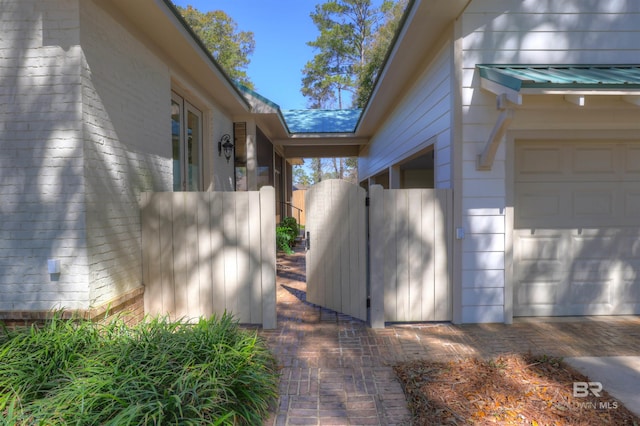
{"x": 286, "y": 234}
{"x": 160, "y": 372}
{"x": 376, "y": 52}
{"x": 345, "y": 27}
{"x": 319, "y": 169}
{"x": 283, "y": 239}
{"x": 219, "y": 33}
{"x": 292, "y": 224}
{"x": 354, "y": 37}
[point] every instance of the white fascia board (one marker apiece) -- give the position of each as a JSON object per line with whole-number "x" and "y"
{"x": 511, "y": 95}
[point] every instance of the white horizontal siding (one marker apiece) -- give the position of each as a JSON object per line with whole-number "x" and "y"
{"x": 529, "y": 31}
{"x": 485, "y": 278}
{"x": 422, "y": 118}
{"x": 583, "y": 7}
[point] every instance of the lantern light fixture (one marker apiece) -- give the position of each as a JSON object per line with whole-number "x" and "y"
{"x": 225, "y": 145}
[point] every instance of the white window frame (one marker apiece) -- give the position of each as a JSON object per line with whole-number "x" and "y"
{"x": 185, "y": 108}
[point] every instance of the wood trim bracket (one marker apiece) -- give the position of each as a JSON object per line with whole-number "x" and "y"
{"x": 485, "y": 159}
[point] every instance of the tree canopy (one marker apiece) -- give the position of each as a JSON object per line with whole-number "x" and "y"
{"x": 377, "y": 50}
{"x": 230, "y": 47}
{"x": 315, "y": 170}
{"x": 354, "y": 37}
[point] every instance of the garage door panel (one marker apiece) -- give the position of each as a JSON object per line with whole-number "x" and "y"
{"x": 593, "y": 246}
{"x": 574, "y": 204}
{"x": 593, "y": 204}
{"x": 577, "y": 231}
{"x": 630, "y": 291}
{"x": 538, "y": 204}
{"x": 589, "y": 293}
{"x": 631, "y": 162}
{"x": 537, "y": 293}
{"x": 537, "y": 248}
{"x": 589, "y": 270}
{"x": 631, "y": 202}
{"x": 590, "y": 160}
{"x": 541, "y": 270}
{"x": 533, "y": 161}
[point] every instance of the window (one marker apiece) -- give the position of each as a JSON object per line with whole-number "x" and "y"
{"x": 186, "y": 140}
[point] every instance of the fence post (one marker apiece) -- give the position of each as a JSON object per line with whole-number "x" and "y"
{"x": 376, "y": 255}
{"x": 268, "y": 262}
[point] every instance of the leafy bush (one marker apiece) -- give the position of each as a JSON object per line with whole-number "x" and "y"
{"x": 286, "y": 234}
{"x": 283, "y": 239}
{"x": 159, "y": 372}
{"x": 291, "y": 223}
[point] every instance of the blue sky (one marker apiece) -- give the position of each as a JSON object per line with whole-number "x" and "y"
{"x": 281, "y": 29}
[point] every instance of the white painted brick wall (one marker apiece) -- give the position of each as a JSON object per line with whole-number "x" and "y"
{"x": 82, "y": 132}
{"x": 126, "y": 93}
{"x": 41, "y": 171}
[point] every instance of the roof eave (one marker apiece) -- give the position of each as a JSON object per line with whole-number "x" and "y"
{"x": 163, "y": 26}
{"x": 423, "y": 24}
{"x": 497, "y": 80}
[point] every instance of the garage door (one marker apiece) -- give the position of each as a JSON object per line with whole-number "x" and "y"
{"x": 577, "y": 228}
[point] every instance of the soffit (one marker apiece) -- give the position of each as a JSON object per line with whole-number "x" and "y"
{"x": 425, "y": 22}
{"x": 159, "y": 21}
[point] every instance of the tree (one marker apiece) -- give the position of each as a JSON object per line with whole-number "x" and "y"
{"x": 320, "y": 169}
{"x": 316, "y": 170}
{"x": 377, "y": 52}
{"x": 219, "y": 33}
{"x": 300, "y": 176}
{"x": 348, "y": 31}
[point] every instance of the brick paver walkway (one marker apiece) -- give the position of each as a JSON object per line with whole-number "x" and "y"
{"x": 336, "y": 371}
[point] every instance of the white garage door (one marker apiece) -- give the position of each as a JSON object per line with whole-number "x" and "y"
{"x": 577, "y": 228}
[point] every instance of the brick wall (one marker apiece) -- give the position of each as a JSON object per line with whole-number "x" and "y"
{"x": 41, "y": 166}
{"x": 83, "y": 130}
{"x": 129, "y": 307}
{"x": 126, "y": 109}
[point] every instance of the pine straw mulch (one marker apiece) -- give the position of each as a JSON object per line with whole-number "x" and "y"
{"x": 507, "y": 390}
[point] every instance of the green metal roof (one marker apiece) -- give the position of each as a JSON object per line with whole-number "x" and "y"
{"x": 322, "y": 120}
{"x": 591, "y": 77}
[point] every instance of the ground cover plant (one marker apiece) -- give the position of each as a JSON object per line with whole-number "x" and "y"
{"x": 507, "y": 390}
{"x": 159, "y": 372}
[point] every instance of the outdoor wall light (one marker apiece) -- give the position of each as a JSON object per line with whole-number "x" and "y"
{"x": 225, "y": 145}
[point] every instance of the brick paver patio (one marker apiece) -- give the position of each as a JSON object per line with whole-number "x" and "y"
{"x": 336, "y": 371}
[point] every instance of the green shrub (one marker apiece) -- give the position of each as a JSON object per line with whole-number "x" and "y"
{"x": 286, "y": 234}
{"x": 291, "y": 223}
{"x": 160, "y": 372}
{"x": 283, "y": 239}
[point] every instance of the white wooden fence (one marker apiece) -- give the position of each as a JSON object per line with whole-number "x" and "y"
{"x": 410, "y": 244}
{"x": 206, "y": 253}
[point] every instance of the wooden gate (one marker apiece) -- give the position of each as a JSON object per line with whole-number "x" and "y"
{"x": 410, "y": 255}
{"x": 337, "y": 248}
{"x": 409, "y": 252}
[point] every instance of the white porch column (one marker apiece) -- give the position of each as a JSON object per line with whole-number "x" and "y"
{"x": 394, "y": 177}
{"x": 252, "y": 156}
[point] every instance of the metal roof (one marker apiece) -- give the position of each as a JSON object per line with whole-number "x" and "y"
{"x": 257, "y": 95}
{"x": 322, "y": 120}
{"x": 591, "y": 77}
{"x": 311, "y": 121}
